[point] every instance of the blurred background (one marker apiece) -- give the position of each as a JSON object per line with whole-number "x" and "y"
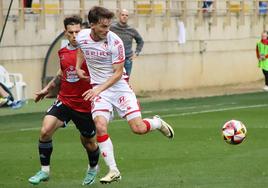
{"x": 189, "y": 44}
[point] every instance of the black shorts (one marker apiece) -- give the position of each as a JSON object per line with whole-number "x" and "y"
{"x": 83, "y": 121}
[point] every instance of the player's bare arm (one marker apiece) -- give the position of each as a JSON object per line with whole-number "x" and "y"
{"x": 79, "y": 61}
{"x": 52, "y": 84}
{"x": 92, "y": 93}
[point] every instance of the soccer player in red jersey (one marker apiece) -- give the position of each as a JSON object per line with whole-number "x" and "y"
{"x": 69, "y": 105}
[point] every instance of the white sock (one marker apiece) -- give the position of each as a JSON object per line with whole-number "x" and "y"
{"x": 93, "y": 168}
{"x": 107, "y": 152}
{"x": 155, "y": 123}
{"x": 45, "y": 169}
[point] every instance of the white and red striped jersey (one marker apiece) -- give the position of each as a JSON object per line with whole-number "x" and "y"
{"x": 101, "y": 55}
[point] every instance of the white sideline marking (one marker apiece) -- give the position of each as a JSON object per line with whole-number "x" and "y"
{"x": 38, "y": 128}
{"x": 30, "y": 129}
{"x": 181, "y": 114}
{"x": 188, "y": 107}
{"x": 215, "y": 110}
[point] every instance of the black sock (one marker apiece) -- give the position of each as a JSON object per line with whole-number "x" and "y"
{"x": 93, "y": 157}
{"x": 45, "y": 150}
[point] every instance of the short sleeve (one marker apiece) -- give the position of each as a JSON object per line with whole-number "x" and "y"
{"x": 82, "y": 36}
{"x": 118, "y": 51}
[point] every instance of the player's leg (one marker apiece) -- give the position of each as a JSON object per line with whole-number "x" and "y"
{"x": 143, "y": 126}
{"x": 101, "y": 120}
{"x": 101, "y": 113}
{"x": 86, "y": 126}
{"x": 265, "y": 73}
{"x": 93, "y": 153}
{"x": 127, "y": 107}
{"x": 45, "y": 147}
{"x": 51, "y": 123}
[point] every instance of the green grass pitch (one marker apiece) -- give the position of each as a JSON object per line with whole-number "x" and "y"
{"x": 196, "y": 158}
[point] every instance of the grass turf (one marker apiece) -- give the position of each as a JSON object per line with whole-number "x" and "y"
{"x": 196, "y": 158}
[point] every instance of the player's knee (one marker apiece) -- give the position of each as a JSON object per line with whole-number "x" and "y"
{"x": 45, "y": 134}
{"x": 137, "y": 126}
{"x": 90, "y": 143}
{"x": 101, "y": 125}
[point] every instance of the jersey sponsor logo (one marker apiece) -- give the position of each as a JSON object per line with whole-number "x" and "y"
{"x": 120, "y": 52}
{"x": 116, "y": 42}
{"x": 71, "y": 75}
{"x": 97, "y": 53}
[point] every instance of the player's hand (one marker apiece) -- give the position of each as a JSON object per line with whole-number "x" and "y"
{"x": 134, "y": 57}
{"x": 91, "y": 94}
{"x": 40, "y": 95}
{"x": 82, "y": 74}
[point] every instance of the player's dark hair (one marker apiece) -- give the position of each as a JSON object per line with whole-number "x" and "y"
{"x": 97, "y": 13}
{"x": 85, "y": 25}
{"x": 72, "y": 20}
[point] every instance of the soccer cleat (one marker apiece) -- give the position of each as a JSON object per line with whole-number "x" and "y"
{"x": 16, "y": 104}
{"x": 265, "y": 88}
{"x": 165, "y": 128}
{"x": 90, "y": 177}
{"x": 38, "y": 177}
{"x": 113, "y": 175}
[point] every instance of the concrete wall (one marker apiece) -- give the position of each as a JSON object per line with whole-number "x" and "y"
{"x": 211, "y": 56}
{"x": 24, "y": 50}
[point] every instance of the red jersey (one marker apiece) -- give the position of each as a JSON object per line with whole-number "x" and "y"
{"x": 71, "y": 87}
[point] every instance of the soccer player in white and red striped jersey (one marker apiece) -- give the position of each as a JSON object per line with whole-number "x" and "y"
{"x": 69, "y": 105}
{"x": 104, "y": 53}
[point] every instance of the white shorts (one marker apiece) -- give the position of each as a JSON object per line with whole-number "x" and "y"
{"x": 125, "y": 103}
